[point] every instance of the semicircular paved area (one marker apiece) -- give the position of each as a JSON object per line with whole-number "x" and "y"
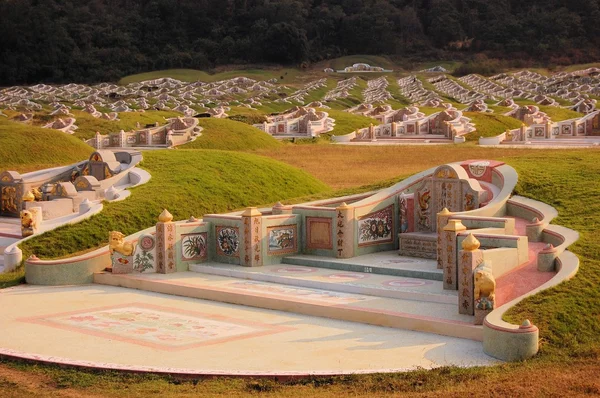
{"x": 111, "y": 327}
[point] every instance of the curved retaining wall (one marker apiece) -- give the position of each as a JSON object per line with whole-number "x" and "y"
{"x": 509, "y": 342}
{"x": 72, "y": 271}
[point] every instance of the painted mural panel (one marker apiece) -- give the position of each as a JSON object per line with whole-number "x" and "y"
{"x": 423, "y": 209}
{"x": 193, "y": 246}
{"x": 539, "y": 132}
{"x": 282, "y": 239}
{"x": 228, "y": 241}
{"x": 377, "y": 227}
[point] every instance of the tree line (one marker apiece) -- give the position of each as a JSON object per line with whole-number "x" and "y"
{"x": 103, "y": 40}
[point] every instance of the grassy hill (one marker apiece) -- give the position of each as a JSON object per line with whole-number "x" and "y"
{"x": 187, "y": 182}
{"x": 88, "y": 125}
{"x": 231, "y": 135}
{"x": 283, "y": 75}
{"x": 490, "y": 124}
{"x": 346, "y": 122}
{"x": 26, "y": 148}
{"x": 559, "y": 114}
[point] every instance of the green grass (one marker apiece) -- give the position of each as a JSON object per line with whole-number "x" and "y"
{"x": 428, "y": 110}
{"x": 490, "y": 124}
{"x": 187, "y": 182}
{"x": 26, "y": 148}
{"x": 231, "y": 135}
{"x": 558, "y": 114}
{"x": 346, "y": 122}
{"x": 88, "y": 125}
{"x": 192, "y": 75}
{"x": 499, "y": 110}
{"x": 12, "y": 278}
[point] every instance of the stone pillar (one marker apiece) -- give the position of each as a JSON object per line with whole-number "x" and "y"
{"x": 548, "y": 129}
{"x": 165, "y": 244}
{"x": 122, "y": 139}
{"x": 534, "y": 230}
{"x": 252, "y": 219}
{"x": 523, "y": 133}
{"x": 449, "y": 237}
{"x": 12, "y": 258}
{"x": 394, "y": 127}
{"x": 98, "y": 140}
{"x": 469, "y": 258}
{"x": 574, "y": 129}
{"x": 372, "y": 133}
{"x": 148, "y": 137}
{"x": 417, "y": 128}
{"x": 546, "y": 259}
{"x": 345, "y": 231}
{"x": 442, "y": 219}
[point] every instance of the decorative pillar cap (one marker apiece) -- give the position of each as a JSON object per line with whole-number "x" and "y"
{"x": 344, "y": 206}
{"x": 251, "y": 212}
{"x": 471, "y": 243}
{"x": 14, "y": 250}
{"x": 526, "y": 324}
{"x": 454, "y": 225}
{"x": 278, "y": 205}
{"x": 33, "y": 257}
{"x": 192, "y": 219}
{"x": 28, "y": 197}
{"x": 165, "y": 216}
{"x": 444, "y": 212}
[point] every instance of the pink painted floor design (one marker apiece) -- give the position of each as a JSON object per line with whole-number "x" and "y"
{"x": 525, "y": 278}
{"x": 155, "y": 326}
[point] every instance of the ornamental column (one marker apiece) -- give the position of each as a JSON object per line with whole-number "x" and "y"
{"x": 449, "y": 238}
{"x": 469, "y": 258}
{"x": 165, "y": 244}
{"x": 252, "y": 220}
{"x": 345, "y": 231}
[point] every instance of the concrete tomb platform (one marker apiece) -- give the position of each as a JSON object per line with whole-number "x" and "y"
{"x": 108, "y": 327}
{"x": 439, "y": 318}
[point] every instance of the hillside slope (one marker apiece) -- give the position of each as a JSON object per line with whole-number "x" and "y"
{"x": 26, "y": 148}
{"x": 231, "y": 135}
{"x": 186, "y": 182}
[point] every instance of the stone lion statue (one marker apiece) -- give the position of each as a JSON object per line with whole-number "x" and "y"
{"x": 28, "y": 223}
{"x": 485, "y": 285}
{"x": 116, "y": 243}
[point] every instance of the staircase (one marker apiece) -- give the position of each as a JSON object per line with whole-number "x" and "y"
{"x": 389, "y": 292}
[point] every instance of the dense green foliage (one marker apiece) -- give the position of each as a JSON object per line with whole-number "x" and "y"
{"x": 187, "y": 182}
{"x": 27, "y": 148}
{"x": 93, "y": 40}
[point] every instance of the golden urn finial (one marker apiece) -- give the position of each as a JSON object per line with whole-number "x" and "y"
{"x": 471, "y": 243}
{"x": 165, "y": 216}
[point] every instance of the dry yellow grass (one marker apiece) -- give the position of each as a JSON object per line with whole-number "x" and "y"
{"x": 344, "y": 166}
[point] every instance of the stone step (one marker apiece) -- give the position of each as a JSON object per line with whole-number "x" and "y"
{"x": 346, "y": 282}
{"x": 370, "y": 268}
{"x": 428, "y": 317}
